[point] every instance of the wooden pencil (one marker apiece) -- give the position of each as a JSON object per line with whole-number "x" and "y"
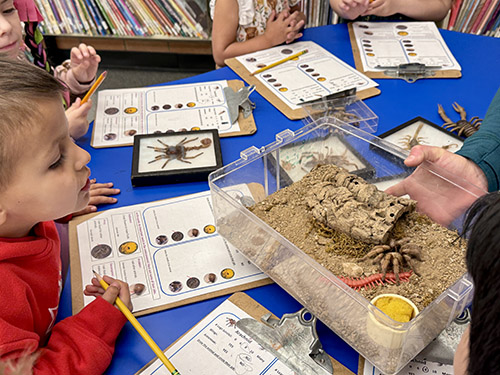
{"x": 94, "y": 87}
{"x": 135, "y": 323}
{"x": 279, "y": 62}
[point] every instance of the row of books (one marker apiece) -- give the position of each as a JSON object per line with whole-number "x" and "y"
{"x": 182, "y": 18}
{"x": 481, "y": 17}
{"x": 318, "y": 12}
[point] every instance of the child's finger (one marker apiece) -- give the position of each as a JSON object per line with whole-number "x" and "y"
{"x": 76, "y": 54}
{"x": 92, "y": 50}
{"x": 101, "y": 199}
{"x": 84, "y": 49}
{"x": 96, "y": 189}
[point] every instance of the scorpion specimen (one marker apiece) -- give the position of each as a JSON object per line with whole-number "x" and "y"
{"x": 462, "y": 126}
{"x": 408, "y": 141}
{"x": 178, "y": 151}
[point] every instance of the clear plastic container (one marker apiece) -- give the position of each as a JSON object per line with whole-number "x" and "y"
{"x": 349, "y": 109}
{"x": 342, "y": 309}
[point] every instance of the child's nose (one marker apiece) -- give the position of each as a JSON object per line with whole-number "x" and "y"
{"x": 82, "y": 159}
{"x": 5, "y": 26}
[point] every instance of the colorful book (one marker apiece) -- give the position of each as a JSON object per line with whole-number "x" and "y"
{"x": 454, "y": 13}
{"x": 480, "y": 16}
{"x": 475, "y": 14}
{"x": 96, "y": 17}
{"x": 487, "y": 17}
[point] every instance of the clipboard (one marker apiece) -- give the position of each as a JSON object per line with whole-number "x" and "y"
{"x": 359, "y": 64}
{"x": 292, "y": 114}
{"x": 256, "y": 311}
{"x": 247, "y": 125}
{"x": 77, "y": 301}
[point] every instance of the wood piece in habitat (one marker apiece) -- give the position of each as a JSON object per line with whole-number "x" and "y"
{"x": 347, "y": 203}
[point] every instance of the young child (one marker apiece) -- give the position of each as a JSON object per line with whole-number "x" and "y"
{"x": 478, "y": 352}
{"x": 44, "y": 177}
{"x": 84, "y": 62}
{"x": 77, "y": 74}
{"x": 379, "y": 10}
{"x": 245, "y": 26}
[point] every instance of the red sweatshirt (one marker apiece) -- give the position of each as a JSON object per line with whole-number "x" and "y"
{"x": 30, "y": 286}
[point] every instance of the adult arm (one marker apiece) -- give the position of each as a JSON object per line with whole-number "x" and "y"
{"x": 483, "y": 147}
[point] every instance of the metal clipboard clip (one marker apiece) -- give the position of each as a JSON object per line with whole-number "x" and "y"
{"x": 337, "y": 95}
{"x": 239, "y": 99}
{"x": 409, "y": 72}
{"x": 292, "y": 339}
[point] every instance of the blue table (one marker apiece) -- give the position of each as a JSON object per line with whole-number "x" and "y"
{"x": 398, "y": 103}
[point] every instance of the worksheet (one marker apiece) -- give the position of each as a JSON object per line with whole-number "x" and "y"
{"x": 389, "y": 44}
{"x": 123, "y": 113}
{"x": 310, "y": 76}
{"x": 417, "y": 366}
{"x": 167, "y": 251}
{"x": 219, "y": 348}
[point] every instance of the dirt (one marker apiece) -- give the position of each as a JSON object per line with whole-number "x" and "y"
{"x": 442, "y": 252}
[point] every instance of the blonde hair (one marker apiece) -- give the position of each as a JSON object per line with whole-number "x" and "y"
{"x": 23, "y": 87}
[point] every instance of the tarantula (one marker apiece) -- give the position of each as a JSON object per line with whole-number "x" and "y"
{"x": 396, "y": 254}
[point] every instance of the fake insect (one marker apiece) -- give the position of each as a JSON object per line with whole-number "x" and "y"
{"x": 327, "y": 157}
{"x": 462, "y": 126}
{"x": 396, "y": 254}
{"x": 408, "y": 141}
{"x": 372, "y": 281}
{"x": 178, "y": 151}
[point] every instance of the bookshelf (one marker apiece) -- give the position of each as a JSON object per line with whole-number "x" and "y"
{"x": 480, "y": 17}
{"x": 183, "y": 26}
{"x": 166, "y": 26}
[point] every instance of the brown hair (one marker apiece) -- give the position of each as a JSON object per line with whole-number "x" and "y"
{"x": 23, "y": 87}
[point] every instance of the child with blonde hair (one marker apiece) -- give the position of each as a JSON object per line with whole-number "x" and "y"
{"x": 45, "y": 177}
{"x": 245, "y": 26}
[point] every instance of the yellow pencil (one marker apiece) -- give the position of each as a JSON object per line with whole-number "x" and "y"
{"x": 94, "y": 87}
{"x": 124, "y": 309}
{"x": 279, "y": 62}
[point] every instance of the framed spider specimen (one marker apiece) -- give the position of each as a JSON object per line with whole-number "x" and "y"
{"x": 175, "y": 157}
{"x": 297, "y": 159}
{"x": 420, "y": 131}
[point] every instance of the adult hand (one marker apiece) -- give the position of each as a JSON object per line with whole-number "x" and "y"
{"x": 437, "y": 197}
{"x": 77, "y": 118}
{"x": 99, "y": 194}
{"x": 117, "y": 288}
{"x": 84, "y": 62}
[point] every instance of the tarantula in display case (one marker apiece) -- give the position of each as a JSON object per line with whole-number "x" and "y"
{"x": 396, "y": 255}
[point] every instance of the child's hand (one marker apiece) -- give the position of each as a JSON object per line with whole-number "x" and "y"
{"x": 382, "y": 8}
{"x": 99, "y": 194}
{"x": 279, "y": 26}
{"x": 297, "y": 22}
{"x": 352, "y": 9}
{"x": 77, "y": 118}
{"x": 116, "y": 288}
{"x": 84, "y": 62}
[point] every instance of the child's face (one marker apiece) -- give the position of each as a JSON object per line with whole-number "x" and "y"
{"x": 51, "y": 177}
{"x": 10, "y": 29}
